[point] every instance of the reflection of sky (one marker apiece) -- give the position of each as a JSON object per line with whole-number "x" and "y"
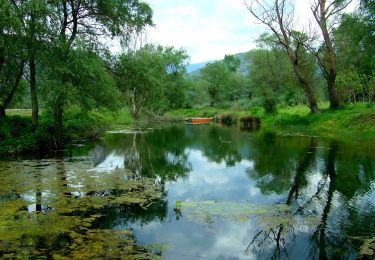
{"x": 112, "y": 162}
{"x": 221, "y": 239}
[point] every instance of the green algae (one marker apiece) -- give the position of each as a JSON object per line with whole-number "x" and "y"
{"x": 49, "y": 209}
{"x": 368, "y": 247}
{"x": 267, "y": 215}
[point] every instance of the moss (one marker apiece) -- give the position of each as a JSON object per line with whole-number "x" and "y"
{"x": 72, "y": 198}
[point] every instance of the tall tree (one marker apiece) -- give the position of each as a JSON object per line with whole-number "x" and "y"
{"x": 33, "y": 15}
{"x": 12, "y": 58}
{"x": 216, "y": 74}
{"x": 140, "y": 76}
{"x": 326, "y": 14}
{"x": 175, "y": 61}
{"x": 82, "y": 22}
{"x": 278, "y": 16}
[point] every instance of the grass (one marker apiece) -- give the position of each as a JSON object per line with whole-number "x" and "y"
{"x": 349, "y": 119}
{"x": 17, "y": 135}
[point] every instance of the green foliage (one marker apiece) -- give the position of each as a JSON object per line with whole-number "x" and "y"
{"x": 270, "y": 105}
{"x": 231, "y": 62}
{"x": 140, "y": 76}
{"x": 17, "y": 135}
{"x": 271, "y": 75}
{"x": 227, "y": 119}
{"x": 216, "y": 74}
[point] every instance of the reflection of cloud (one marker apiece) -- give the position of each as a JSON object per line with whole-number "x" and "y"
{"x": 213, "y": 181}
{"x": 112, "y": 162}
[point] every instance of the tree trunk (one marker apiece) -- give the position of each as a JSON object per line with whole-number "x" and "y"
{"x": 307, "y": 88}
{"x": 313, "y": 105}
{"x": 332, "y": 93}
{"x": 33, "y": 92}
{"x": 58, "y": 114}
{"x": 2, "y": 112}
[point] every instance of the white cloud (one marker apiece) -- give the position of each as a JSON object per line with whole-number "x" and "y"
{"x": 206, "y": 29}
{"x": 209, "y": 29}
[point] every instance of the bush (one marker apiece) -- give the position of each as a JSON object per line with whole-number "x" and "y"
{"x": 227, "y": 119}
{"x": 250, "y": 122}
{"x": 270, "y": 105}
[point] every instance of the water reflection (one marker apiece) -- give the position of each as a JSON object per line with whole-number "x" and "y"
{"x": 326, "y": 187}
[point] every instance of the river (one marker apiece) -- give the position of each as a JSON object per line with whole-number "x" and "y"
{"x": 192, "y": 192}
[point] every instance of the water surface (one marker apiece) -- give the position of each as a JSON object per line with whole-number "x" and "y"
{"x": 193, "y": 192}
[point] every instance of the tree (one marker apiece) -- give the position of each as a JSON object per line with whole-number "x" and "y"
{"x": 175, "y": 64}
{"x": 33, "y": 15}
{"x": 80, "y": 23}
{"x": 216, "y": 74}
{"x": 12, "y": 57}
{"x": 140, "y": 76}
{"x": 232, "y": 62}
{"x": 326, "y": 14}
{"x": 271, "y": 76}
{"x": 279, "y": 17}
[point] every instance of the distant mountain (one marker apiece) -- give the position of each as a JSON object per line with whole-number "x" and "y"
{"x": 195, "y": 67}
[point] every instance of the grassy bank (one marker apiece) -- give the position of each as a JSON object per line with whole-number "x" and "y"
{"x": 17, "y": 135}
{"x": 349, "y": 119}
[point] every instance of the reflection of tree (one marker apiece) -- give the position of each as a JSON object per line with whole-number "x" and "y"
{"x": 330, "y": 238}
{"x": 277, "y": 235}
{"x": 219, "y": 144}
{"x": 276, "y": 159}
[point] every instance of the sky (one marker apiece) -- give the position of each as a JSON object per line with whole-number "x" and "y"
{"x": 209, "y": 29}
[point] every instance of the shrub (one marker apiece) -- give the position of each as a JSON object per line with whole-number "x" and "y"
{"x": 250, "y": 122}
{"x": 270, "y": 105}
{"x": 227, "y": 119}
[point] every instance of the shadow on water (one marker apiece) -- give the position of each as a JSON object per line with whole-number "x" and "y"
{"x": 191, "y": 192}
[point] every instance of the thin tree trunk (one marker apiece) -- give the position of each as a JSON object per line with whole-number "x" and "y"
{"x": 2, "y": 112}
{"x": 58, "y": 114}
{"x": 9, "y": 97}
{"x": 32, "y": 70}
{"x": 33, "y": 92}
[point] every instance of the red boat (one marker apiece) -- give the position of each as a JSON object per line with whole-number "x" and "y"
{"x": 200, "y": 120}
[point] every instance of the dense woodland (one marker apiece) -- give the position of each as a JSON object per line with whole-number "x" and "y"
{"x": 54, "y": 58}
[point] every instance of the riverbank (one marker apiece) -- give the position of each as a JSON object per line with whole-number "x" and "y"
{"x": 17, "y": 135}
{"x": 348, "y": 120}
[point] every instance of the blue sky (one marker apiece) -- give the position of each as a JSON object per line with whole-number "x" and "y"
{"x": 209, "y": 29}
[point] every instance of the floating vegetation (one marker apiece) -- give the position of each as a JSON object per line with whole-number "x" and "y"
{"x": 236, "y": 211}
{"x": 267, "y": 215}
{"x": 368, "y": 248}
{"x": 51, "y": 211}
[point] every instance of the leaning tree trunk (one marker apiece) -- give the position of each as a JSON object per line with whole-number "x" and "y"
{"x": 332, "y": 93}
{"x": 313, "y": 104}
{"x": 305, "y": 84}
{"x": 10, "y": 95}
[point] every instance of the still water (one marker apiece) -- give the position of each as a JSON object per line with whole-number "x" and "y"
{"x": 192, "y": 192}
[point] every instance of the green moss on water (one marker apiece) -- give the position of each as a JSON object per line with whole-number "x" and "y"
{"x": 267, "y": 215}
{"x": 71, "y": 198}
